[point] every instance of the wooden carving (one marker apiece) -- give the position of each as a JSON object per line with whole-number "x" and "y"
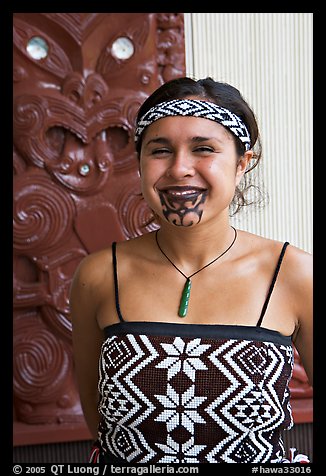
{"x": 79, "y": 79}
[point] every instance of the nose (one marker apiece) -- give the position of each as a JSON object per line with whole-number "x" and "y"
{"x": 181, "y": 166}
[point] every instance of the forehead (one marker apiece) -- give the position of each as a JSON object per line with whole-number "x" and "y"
{"x": 185, "y": 127}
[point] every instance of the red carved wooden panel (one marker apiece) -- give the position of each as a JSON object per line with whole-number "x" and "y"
{"x": 79, "y": 79}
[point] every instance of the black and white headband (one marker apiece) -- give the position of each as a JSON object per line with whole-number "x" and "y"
{"x": 196, "y": 108}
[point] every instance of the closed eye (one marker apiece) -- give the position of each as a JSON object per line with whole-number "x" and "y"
{"x": 204, "y": 149}
{"x": 160, "y": 151}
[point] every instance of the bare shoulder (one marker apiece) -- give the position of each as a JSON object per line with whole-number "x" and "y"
{"x": 296, "y": 272}
{"x": 93, "y": 276}
{"x": 296, "y": 263}
{"x": 300, "y": 259}
{"x": 135, "y": 251}
{"x": 93, "y": 268}
{"x": 299, "y": 264}
{"x": 91, "y": 281}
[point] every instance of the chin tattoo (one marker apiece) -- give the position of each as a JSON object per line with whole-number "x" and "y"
{"x": 183, "y": 211}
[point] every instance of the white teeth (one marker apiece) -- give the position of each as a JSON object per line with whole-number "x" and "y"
{"x": 182, "y": 193}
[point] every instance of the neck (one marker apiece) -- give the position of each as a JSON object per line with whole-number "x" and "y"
{"x": 191, "y": 248}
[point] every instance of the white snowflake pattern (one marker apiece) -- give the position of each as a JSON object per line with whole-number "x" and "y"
{"x": 180, "y": 409}
{"x": 175, "y": 362}
{"x": 180, "y": 453}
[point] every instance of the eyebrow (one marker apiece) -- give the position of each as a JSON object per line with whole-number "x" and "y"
{"x": 163, "y": 140}
{"x": 158, "y": 140}
{"x": 202, "y": 139}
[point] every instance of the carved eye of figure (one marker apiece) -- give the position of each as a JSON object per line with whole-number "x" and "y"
{"x": 122, "y": 48}
{"x": 37, "y": 48}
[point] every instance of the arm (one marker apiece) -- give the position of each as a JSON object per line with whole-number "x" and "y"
{"x": 87, "y": 339}
{"x": 303, "y": 300}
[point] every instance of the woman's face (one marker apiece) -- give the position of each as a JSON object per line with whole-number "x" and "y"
{"x": 189, "y": 169}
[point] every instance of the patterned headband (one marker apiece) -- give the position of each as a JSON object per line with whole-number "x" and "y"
{"x": 196, "y": 108}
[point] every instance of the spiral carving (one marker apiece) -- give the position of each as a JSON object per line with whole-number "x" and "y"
{"x": 41, "y": 362}
{"x": 58, "y": 321}
{"x": 30, "y": 117}
{"x": 29, "y": 114}
{"x": 43, "y": 214}
{"x": 134, "y": 214}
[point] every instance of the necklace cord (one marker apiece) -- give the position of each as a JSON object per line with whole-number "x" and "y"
{"x": 206, "y": 265}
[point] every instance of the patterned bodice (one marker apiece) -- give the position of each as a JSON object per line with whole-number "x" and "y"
{"x": 194, "y": 393}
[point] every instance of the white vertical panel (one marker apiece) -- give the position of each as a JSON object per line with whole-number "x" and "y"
{"x": 268, "y": 57}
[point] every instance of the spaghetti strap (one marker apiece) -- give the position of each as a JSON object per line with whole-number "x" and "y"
{"x": 115, "y": 275}
{"x": 277, "y": 269}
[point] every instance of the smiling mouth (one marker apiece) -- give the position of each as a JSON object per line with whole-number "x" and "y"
{"x": 182, "y": 193}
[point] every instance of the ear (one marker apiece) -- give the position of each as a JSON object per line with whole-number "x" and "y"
{"x": 242, "y": 165}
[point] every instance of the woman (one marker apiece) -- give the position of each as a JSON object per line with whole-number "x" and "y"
{"x": 183, "y": 336}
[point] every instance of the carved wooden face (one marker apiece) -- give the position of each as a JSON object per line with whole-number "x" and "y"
{"x": 79, "y": 80}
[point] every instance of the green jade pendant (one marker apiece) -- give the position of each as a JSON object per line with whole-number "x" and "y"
{"x": 184, "y": 302}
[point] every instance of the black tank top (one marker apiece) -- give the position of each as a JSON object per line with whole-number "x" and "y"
{"x": 194, "y": 393}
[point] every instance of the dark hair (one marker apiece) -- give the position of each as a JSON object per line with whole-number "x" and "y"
{"x": 224, "y": 95}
